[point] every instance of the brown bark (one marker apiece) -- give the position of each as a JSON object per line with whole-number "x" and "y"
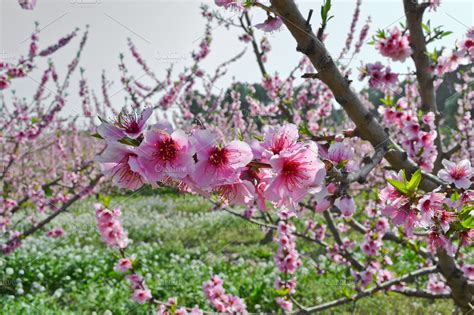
{"x": 367, "y": 125}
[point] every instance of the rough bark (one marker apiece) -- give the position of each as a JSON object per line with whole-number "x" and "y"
{"x": 367, "y": 125}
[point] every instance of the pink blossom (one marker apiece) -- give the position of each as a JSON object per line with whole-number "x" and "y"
{"x": 27, "y": 4}
{"x": 241, "y": 192}
{"x": 371, "y": 244}
{"x": 449, "y": 61}
{"x": 437, "y": 286}
{"x": 230, "y": 4}
{"x": 127, "y": 125}
{"x": 4, "y": 82}
{"x": 381, "y": 225}
{"x": 222, "y": 302}
{"x": 277, "y": 139}
{"x": 429, "y": 204}
{"x": 437, "y": 240}
{"x": 120, "y": 162}
{"x": 378, "y": 76}
{"x": 434, "y": 4}
{"x": 466, "y": 45}
{"x": 218, "y": 165}
{"x": 135, "y": 280}
{"x": 298, "y": 171}
{"x": 395, "y": 46}
{"x": 338, "y": 152}
{"x": 271, "y": 24}
{"x": 110, "y": 227}
{"x": 55, "y": 232}
{"x": 162, "y": 154}
{"x": 124, "y": 264}
{"x": 468, "y": 271}
{"x": 346, "y": 204}
{"x": 402, "y": 215}
{"x": 287, "y": 257}
{"x": 458, "y": 174}
{"x": 285, "y": 304}
{"x": 141, "y": 295}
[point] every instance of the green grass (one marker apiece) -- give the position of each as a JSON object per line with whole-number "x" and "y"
{"x": 180, "y": 244}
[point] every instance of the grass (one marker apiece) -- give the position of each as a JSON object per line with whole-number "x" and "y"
{"x": 180, "y": 244}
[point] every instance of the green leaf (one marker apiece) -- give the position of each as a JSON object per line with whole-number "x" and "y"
{"x": 455, "y": 196}
{"x": 398, "y": 185}
{"x": 105, "y": 200}
{"x": 425, "y": 28}
{"x": 404, "y": 177}
{"x": 130, "y": 141}
{"x": 446, "y": 34}
{"x": 47, "y": 191}
{"x": 34, "y": 120}
{"x": 415, "y": 181}
{"x": 282, "y": 292}
{"x": 467, "y": 217}
{"x": 96, "y": 135}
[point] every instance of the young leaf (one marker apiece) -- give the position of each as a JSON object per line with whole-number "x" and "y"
{"x": 398, "y": 185}
{"x": 414, "y": 181}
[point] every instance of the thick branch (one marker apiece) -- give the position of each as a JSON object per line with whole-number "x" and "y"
{"x": 424, "y": 75}
{"x": 414, "y": 15}
{"x": 364, "y": 120}
{"x": 328, "y": 72}
{"x": 461, "y": 290}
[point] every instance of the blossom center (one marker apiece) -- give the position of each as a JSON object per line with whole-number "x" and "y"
{"x": 292, "y": 172}
{"x": 218, "y": 157}
{"x": 458, "y": 172}
{"x": 167, "y": 150}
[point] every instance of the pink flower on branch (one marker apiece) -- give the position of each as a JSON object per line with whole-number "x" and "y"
{"x": 27, "y": 4}
{"x": 110, "y": 227}
{"x": 127, "y": 125}
{"x": 163, "y": 155}
{"x": 218, "y": 164}
{"x": 298, "y": 172}
{"x": 458, "y": 174}
{"x": 270, "y": 24}
{"x": 395, "y": 45}
{"x": 120, "y": 163}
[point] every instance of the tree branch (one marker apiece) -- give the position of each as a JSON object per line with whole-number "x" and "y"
{"x": 421, "y": 294}
{"x": 337, "y": 237}
{"x": 328, "y": 72}
{"x": 406, "y": 278}
{"x": 364, "y": 120}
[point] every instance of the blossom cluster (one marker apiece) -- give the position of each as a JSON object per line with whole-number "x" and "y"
{"x": 450, "y": 60}
{"x": 395, "y": 45}
{"x": 433, "y": 211}
{"x": 222, "y": 302}
{"x": 418, "y": 133}
{"x": 110, "y": 227}
{"x": 379, "y": 75}
{"x": 287, "y": 259}
{"x": 280, "y": 168}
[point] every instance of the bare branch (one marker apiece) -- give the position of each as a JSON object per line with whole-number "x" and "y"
{"x": 406, "y": 278}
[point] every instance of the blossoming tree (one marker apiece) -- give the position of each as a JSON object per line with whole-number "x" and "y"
{"x": 47, "y": 161}
{"x": 387, "y": 178}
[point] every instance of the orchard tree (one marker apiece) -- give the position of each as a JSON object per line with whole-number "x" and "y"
{"x": 362, "y": 184}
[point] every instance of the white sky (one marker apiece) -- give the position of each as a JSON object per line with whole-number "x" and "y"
{"x": 167, "y": 31}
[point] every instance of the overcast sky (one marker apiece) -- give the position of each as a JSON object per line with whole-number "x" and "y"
{"x": 167, "y": 31}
